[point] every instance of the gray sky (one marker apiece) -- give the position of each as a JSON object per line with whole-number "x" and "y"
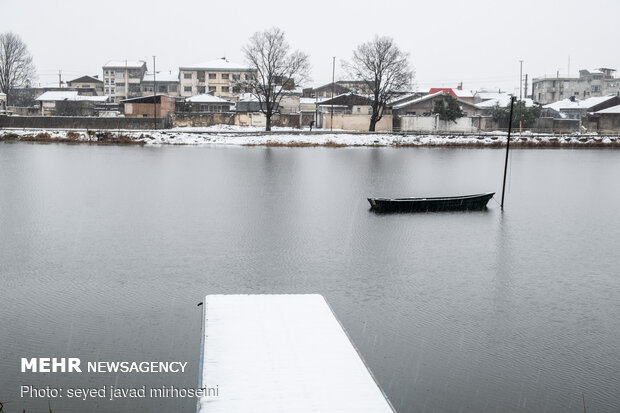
{"x": 477, "y": 42}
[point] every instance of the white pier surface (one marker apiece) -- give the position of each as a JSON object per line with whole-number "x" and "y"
{"x": 282, "y": 354}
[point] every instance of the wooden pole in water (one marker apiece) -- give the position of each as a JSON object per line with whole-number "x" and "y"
{"x": 512, "y": 103}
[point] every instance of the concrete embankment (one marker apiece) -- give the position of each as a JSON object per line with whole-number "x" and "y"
{"x": 297, "y": 138}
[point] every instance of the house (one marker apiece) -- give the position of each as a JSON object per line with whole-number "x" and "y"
{"x": 208, "y": 103}
{"x": 122, "y": 78}
{"x": 457, "y": 92}
{"x": 167, "y": 83}
{"x": 217, "y": 77}
{"x": 605, "y": 120}
{"x": 69, "y": 103}
{"x": 350, "y": 111}
{"x": 423, "y": 106}
{"x": 577, "y": 109}
{"x": 494, "y": 100}
{"x": 87, "y": 85}
{"x": 348, "y": 103}
{"x": 146, "y": 106}
{"x": 590, "y": 83}
{"x": 330, "y": 90}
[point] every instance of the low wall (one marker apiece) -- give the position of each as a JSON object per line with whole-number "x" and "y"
{"x": 256, "y": 119}
{"x": 74, "y": 122}
{"x": 429, "y": 124}
{"x": 355, "y": 122}
{"x": 554, "y": 125}
{"x": 184, "y": 119}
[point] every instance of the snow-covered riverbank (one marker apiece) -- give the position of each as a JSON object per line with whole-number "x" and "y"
{"x": 223, "y": 135}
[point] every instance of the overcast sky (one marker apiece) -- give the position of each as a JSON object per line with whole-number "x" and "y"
{"x": 477, "y": 42}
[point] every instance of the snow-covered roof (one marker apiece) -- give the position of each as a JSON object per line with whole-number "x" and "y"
{"x": 568, "y": 104}
{"x": 164, "y": 76}
{"x": 418, "y": 100}
{"x": 207, "y": 98}
{"x": 486, "y": 95}
{"x": 502, "y": 101}
{"x": 71, "y": 95}
{"x": 460, "y": 93}
{"x": 130, "y": 64}
{"x": 310, "y": 101}
{"x": 612, "y": 110}
{"x": 216, "y": 64}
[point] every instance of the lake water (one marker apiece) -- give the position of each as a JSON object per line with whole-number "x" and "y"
{"x": 106, "y": 251}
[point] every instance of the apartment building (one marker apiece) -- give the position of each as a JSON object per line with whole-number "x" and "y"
{"x": 590, "y": 83}
{"x": 167, "y": 83}
{"x": 122, "y": 79}
{"x": 216, "y": 77}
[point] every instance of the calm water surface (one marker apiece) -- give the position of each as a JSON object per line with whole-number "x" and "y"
{"x": 105, "y": 252}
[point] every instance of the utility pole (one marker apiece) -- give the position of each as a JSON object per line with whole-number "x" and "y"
{"x": 331, "y": 122}
{"x": 512, "y": 102}
{"x": 59, "y": 78}
{"x": 154, "y": 96}
{"x": 520, "y": 94}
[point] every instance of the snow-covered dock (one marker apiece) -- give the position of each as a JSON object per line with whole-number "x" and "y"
{"x": 282, "y": 354}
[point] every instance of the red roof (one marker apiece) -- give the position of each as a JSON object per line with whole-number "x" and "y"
{"x": 442, "y": 89}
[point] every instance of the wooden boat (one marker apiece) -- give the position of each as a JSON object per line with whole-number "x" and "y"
{"x": 448, "y": 203}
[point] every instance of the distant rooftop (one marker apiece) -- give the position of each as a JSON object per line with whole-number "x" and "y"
{"x": 578, "y": 104}
{"x": 163, "y": 76}
{"x": 85, "y": 79}
{"x": 615, "y": 110}
{"x": 69, "y": 95}
{"x": 216, "y": 64}
{"x": 130, "y": 64}
{"x": 206, "y": 98}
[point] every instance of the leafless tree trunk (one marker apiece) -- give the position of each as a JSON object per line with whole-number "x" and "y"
{"x": 276, "y": 68}
{"x": 16, "y": 67}
{"x": 385, "y": 69}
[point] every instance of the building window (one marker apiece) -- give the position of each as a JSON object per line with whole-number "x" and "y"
{"x": 225, "y": 89}
{"x": 112, "y": 90}
{"x": 249, "y": 77}
{"x": 187, "y": 89}
{"x": 148, "y": 88}
{"x": 201, "y": 76}
{"x": 212, "y": 75}
{"x": 163, "y": 89}
{"x": 236, "y": 77}
{"x": 201, "y": 89}
{"x": 187, "y": 75}
{"x": 212, "y": 89}
{"x": 596, "y": 88}
{"x": 112, "y": 81}
{"x": 120, "y": 88}
{"x": 225, "y": 76}
{"x": 120, "y": 73}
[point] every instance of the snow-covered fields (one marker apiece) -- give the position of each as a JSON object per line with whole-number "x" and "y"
{"x": 236, "y": 135}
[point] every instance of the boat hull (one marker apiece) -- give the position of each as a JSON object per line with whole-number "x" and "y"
{"x": 454, "y": 203}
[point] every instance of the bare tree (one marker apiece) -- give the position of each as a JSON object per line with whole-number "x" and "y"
{"x": 384, "y": 68}
{"x": 277, "y": 69}
{"x": 16, "y": 67}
